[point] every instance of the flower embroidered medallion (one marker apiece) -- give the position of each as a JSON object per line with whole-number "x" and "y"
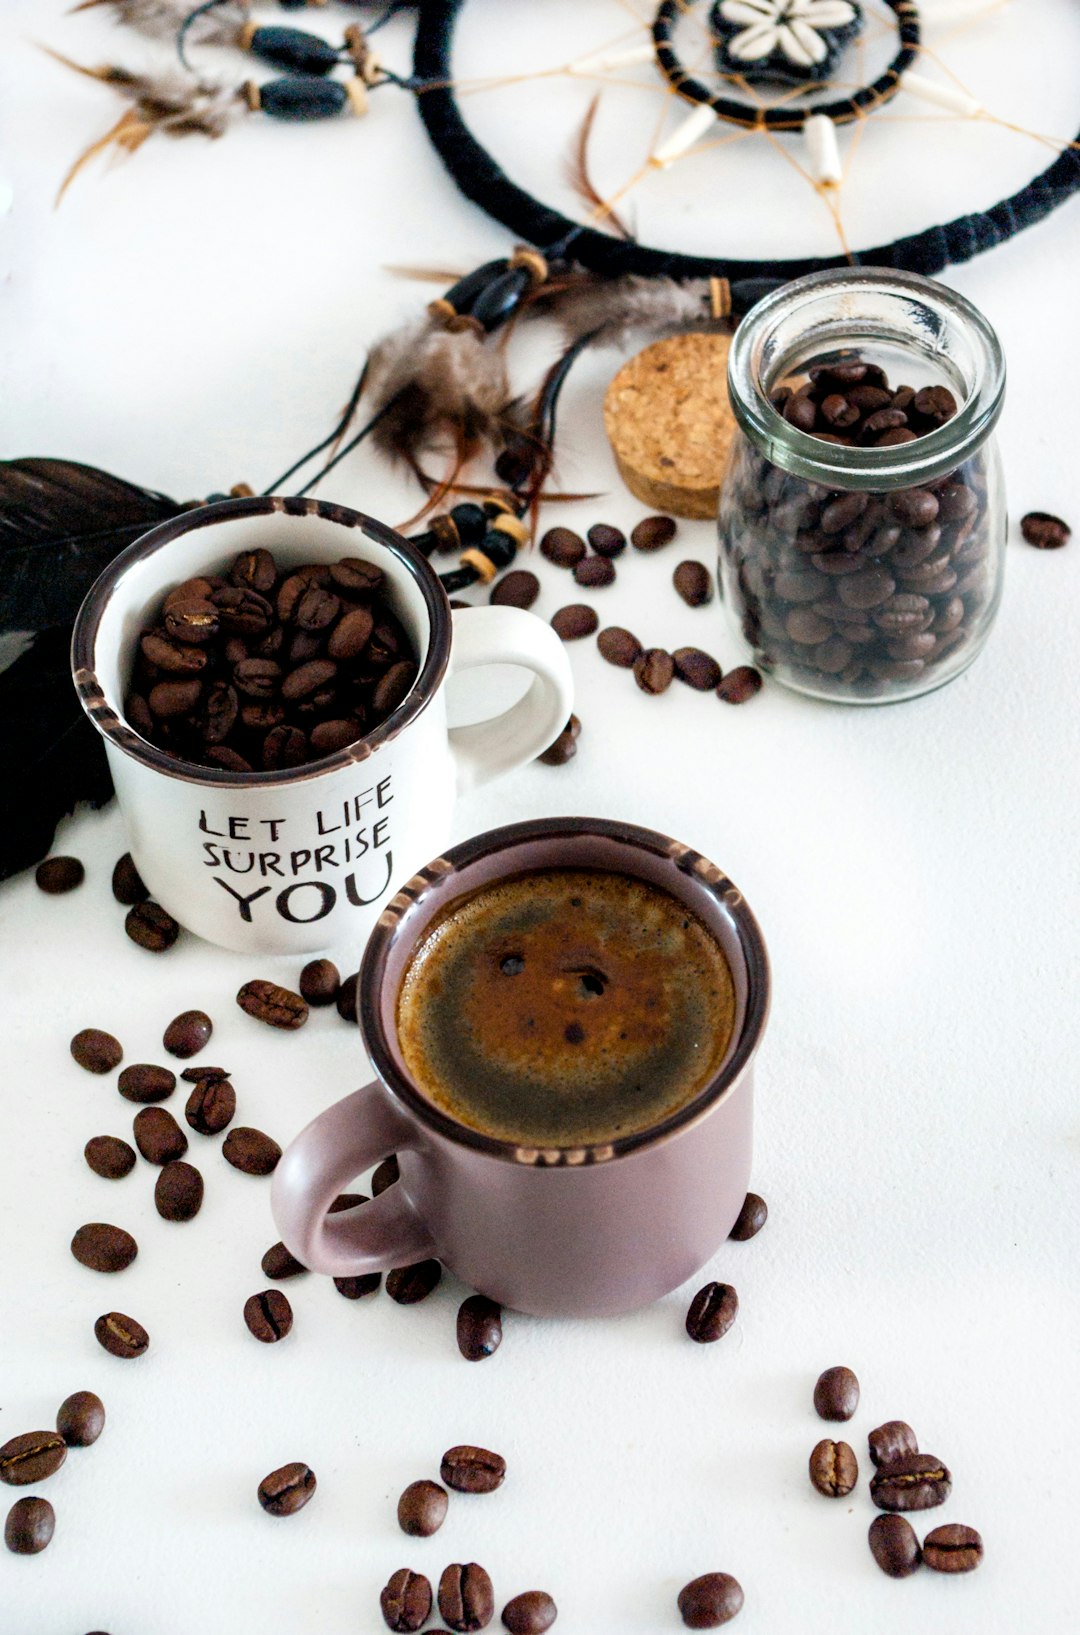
{"x": 793, "y": 41}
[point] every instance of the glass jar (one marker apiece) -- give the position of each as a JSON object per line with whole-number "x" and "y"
{"x": 864, "y": 571}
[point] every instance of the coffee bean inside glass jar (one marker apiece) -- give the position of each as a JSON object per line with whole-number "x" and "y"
{"x": 263, "y": 667}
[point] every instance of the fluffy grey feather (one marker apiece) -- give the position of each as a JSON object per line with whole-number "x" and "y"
{"x": 160, "y": 19}
{"x": 618, "y": 308}
{"x": 435, "y": 386}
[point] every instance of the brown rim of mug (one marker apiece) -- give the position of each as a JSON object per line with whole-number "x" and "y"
{"x": 117, "y": 730}
{"x": 707, "y": 880}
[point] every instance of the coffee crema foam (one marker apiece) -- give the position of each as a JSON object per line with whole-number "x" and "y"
{"x": 565, "y": 1008}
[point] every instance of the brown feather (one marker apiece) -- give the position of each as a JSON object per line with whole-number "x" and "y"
{"x": 581, "y": 181}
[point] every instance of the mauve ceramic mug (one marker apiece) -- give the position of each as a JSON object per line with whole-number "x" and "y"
{"x": 562, "y": 1232}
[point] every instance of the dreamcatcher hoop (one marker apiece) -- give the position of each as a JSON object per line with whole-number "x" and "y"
{"x": 482, "y": 180}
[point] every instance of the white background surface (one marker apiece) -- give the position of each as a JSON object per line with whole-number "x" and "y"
{"x": 195, "y": 317}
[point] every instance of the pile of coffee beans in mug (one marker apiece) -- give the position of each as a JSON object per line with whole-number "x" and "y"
{"x": 260, "y": 667}
{"x": 30, "y": 1459}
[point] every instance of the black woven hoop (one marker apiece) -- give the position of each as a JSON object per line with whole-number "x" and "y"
{"x": 843, "y": 111}
{"x": 481, "y": 180}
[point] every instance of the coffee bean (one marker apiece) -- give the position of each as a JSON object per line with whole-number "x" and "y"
{"x": 109, "y": 1157}
{"x": 255, "y": 570}
{"x": 127, "y": 883}
{"x": 406, "y": 1601}
{"x": 605, "y": 540}
{"x": 385, "y": 1176}
{"x": 935, "y": 404}
{"x": 98, "y": 1052}
{"x": 564, "y": 747}
{"x": 712, "y": 1312}
{"x": 355, "y": 1288}
{"x": 268, "y": 1316}
{"x": 693, "y": 581}
{"x": 571, "y": 623}
{"x": 204, "y": 1074}
{"x": 317, "y": 609}
{"x": 479, "y": 1327}
{"x": 279, "y": 1263}
{"x": 739, "y": 685}
{"x": 346, "y": 998}
{"x": 519, "y": 588}
{"x": 466, "y": 1598}
{"x": 351, "y": 634}
{"x": 29, "y": 1526}
{"x": 422, "y": 1509}
{"x": 619, "y": 647}
{"x": 158, "y": 1136}
{"x": 392, "y": 688}
{"x": 867, "y": 589}
{"x": 836, "y": 1394}
{"x": 894, "y": 1546}
{"x": 320, "y": 981}
{"x": 699, "y": 670}
{"x": 654, "y": 670}
{"x": 1044, "y": 531}
{"x": 121, "y": 1336}
{"x": 834, "y": 1469}
{"x": 653, "y": 532}
{"x": 151, "y": 927}
{"x": 210, "y": 1106}
{"x": 80, "y": 1419}
{"x": 891, "y": 1441}
{"x": 801, "y": 412}
{"x": 32, "y": 1457}
{"x": 915, "y": 507}
{"x": 711, "y": 1600}
{"x": 410, "y": 1284}
{"x": 595, "y": 572}
{"x": 563, "y": 547}
{"x": 469, "y": 1469}
{"x": 915, "y": 1481}
{"x": 751, "y": 1218}
{"x": 287, "y": 1490}
{"x": 142, "y": 1081}
{"x": 356, "y": 576}
{"x": 58, "y": 875}
{"x": 178, "y": 1192}
{"x": 188, "y": 1033}
{"x": 250, "y": 1151}
{"x": 104, "y": 1248}
{"x": 276, "y": 1006}
{"x": 530, "y": 1613}
{"x": 953, "y": 1548}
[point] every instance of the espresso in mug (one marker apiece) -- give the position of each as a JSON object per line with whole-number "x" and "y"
{"x": 565, "y": 1008}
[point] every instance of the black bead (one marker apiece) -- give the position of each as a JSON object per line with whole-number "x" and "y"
{"x": 425, "y": 543}
{"x": 747, "y": 292}
{"x": 458, "y": 579}
{"x": 462, "y": 294}
{"x": 471, "y": 523}
{"x": 499, "y": 548}
{"x": 502, "y": 297}
{"x": 292, "y": 48}
{"x": 304, "y": 96}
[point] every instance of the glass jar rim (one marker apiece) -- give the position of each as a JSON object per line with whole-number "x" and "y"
{"x": 903, "y": 465}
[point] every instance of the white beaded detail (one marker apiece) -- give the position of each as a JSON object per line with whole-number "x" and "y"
{"x": 696, "y": 125}
{"x": 823, "y": 150}
{"x": 942, "y": 95}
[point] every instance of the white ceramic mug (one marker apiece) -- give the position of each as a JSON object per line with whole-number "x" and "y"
{"x": 301, "y": 859}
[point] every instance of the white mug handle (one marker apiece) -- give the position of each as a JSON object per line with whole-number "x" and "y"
{"x": 508, "y": 635}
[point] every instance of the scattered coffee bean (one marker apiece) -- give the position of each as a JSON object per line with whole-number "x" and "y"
{"x": 712, "y": 1312}
{"x": 891, "y": 1441}
{"x": 693, "y": 581}
{"x": 654, "y": 670}
{"x": 894, "y": 1546}
{"x": 145, "y": 1082}
{"x": 565, "y": 746}
{"x": 276, "y": 1006}
{"x": 751, "y": 1218}
{"x": 518, "y": 588}
{"x": 606, "y": 540}
{"x": 479, "y": 1327}
{"x": 1044, "y": 531}
{"x": 187, "y": 1034}
{"x": 104, "y": 1248}
{"x": 571, "y": 623}
{"x": 58, "y": 875}
{"x": 120, "y": 1335}
{"x": 158, "y": 1136}
{"x": 355, "y": 1288}
{"x": 563, "y": 547}
{"x": 530, "y": 1613}
{"x": 653, "y": 532}
{"x": 80, "y": 1419}
{"x": 836, "y": 1394}
{"x": 595, "y": 572}
{"x": 268, "y": 1316}
{"x": 204, "y": 1074}
{"x": 287, "y": 1490}
{"x": 699, "y": 670}
{"x": 466, "y": 1597}
{"x": 619, "y": 647}
{"x": 320, "y": 981}
{"x": 29, "y": 1526}
{"x": 98, "y": 1052}
{"x": 151, "y": 927}
{"x": 110, "y": 1157}
{"x": 472, "y": 1470}
{"x": 178, "y": 1192}
{"x": 953, "y": 1548}
{"x": 385, "y": 1176}
{"x": 32, "y": 1457}
{"x": 739, "y": 684}
{"x": 346, "y": 998}
{"x": 711, "y": 1600}
{"x": 422, "y": 1509}
{"x": 210, "y": 1106}
{"x": 834, "y": 1469}
{"x": 250, "y": 1151}
{"x": 915, "y": 1481}
{"x": 406, "y": 1601}
{"x": 279, "y": 1263}
{"x": 410, "y": 1284}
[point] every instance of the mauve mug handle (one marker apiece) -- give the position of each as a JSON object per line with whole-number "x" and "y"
{"x": 333, "y": 1149}
{"x": 508, "y": 635}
